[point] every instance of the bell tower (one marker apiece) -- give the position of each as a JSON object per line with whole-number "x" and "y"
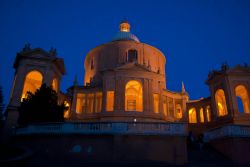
{"x": 230, "y": 89}
{"x": 33, "y": 67}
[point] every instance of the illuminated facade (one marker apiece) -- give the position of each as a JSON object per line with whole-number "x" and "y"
{"x": 125, "y": 80}
{"x": 124, "y": 92}
{"x": 131, "y": 87}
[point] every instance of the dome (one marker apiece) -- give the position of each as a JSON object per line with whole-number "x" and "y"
{"x": 124, "y": 33}
{"x": 125, "y": 36}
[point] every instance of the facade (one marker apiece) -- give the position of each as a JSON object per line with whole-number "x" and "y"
{"x": 124, "y": 92}
{"x": 132, "y": 87}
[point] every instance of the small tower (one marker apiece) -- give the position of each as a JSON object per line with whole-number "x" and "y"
{"x": 230, "y": 94}
{"x": 33, "y": 67}
{"x": 124, "y": 26}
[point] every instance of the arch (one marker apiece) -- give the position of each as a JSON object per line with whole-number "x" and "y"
{"x": 33, "y": 81}
{"x": 221, "y": 103}
{"x": 55, "y": 84}
{"x": 201, "y": 115}
{"x": 67, "y": 111}
{"x": 242, "y": 99}
{"x": 178, "y": 111}
{"x": 132, "y": 55}
{"x": 208, "y": 113}
{"x": 133, "y": 96}
{"x": 192, "y": 115}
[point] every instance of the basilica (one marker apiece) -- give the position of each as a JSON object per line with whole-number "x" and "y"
{"x": 125, "y": 86}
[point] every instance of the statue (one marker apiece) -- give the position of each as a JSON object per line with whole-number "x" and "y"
{"x": 26, "y": 47}
{"x": 53, "y": 51}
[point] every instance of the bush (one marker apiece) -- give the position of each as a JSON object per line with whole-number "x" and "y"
{"x": 42, "y": 106}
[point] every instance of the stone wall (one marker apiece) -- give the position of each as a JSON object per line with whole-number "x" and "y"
{"x": 112, "y": 148}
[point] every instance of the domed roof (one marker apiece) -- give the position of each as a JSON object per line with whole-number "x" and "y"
{"x": 125, "y": 36}
{"x": 124, "y": 33}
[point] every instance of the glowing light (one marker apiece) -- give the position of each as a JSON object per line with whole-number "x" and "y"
{"x": 156, "y": 102}
{"x": 165, "y": 106}
{"x": 67, "y": 112}
{"x": 125, "y": 27}
{"x": 33, "y": 81}
{"x": 208, "y": 113}
{"x": 221, "y": 102}
{"x": 178, "y": 113}
{"x": 192, "y": 115}
{"x": 242, "y": 93}
{"x": 80, "y": 103}
{"x": 133, "y": 96}
{"x": 201, "y": 115}
{"x": 90, "y": 103}
{"x": 110, "y": 101}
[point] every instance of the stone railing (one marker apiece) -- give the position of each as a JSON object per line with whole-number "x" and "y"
{"x": 136, "y": 128}
{"x": 227, "y": 131}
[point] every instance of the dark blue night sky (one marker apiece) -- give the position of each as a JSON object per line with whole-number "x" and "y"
{"x": 196, "y": 36}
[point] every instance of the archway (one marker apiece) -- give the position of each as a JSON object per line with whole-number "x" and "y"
{"x": 208, "y": 113}
{"x": 201, "y": 115}
{"x": 192, "y": 115}
{"x": 32, "y": 82}
{"x": 221, "y": 102}
{"x": 133, "y": 96}
{"x": 242, "y": 99}
{"x": 178, "y": 111}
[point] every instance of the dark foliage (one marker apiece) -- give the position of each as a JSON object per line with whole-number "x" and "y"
{"x": 41, "y": 107}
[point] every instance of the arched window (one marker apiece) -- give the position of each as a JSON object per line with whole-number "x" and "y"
{"x": 132, "y": 55}
{"x": 242, "y": 99}
{"x": 208, "y": 112}
{"x": 221, "y": 102}
{"x": 66, "y": 112}
{"x": 54, "y": 84}
{"x": 201, "y": 115}
{"x": 192, "y": 115}
{"x": 178, "y": 111}
{"x": 32, "y": 82}
{"x": 133, "y": 96}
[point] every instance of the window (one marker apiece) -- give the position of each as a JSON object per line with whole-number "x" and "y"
{"x": 178, "y": 112}
{"x": 98, "y": 102}
{"x": 66, "y": 112}
{"x": 242, "y": 99}
{"x": 110, "y": 101}
{"x": 192, "y": 115}
{"x": 90, "y": 103}
{"x": 201, "y": 115}
{"x": 32, "y": 82}
{"x": 156, "y": 102}
{"x": 208, "y": 111}
{"x": 221, "y": 102}
{"x": 132, "y": 55}
{"x": 80, "y": 103}
{"x": 133, "y": 96}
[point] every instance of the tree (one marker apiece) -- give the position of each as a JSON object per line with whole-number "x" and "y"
{"x": 42, "y": 106}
